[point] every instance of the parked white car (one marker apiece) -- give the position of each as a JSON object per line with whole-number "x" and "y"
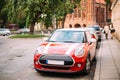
{"x": 4, "y": 32}
{"x": 23, "y": 30}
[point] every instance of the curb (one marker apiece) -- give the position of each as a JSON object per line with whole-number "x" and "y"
{"x": 98, "y": 64}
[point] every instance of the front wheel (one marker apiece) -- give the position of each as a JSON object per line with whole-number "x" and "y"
{"x": 37, "y": 70}
{"x": 87, "y": 65}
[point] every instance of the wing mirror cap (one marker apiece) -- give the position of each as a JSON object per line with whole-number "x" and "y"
{"x": 93, "y": 40}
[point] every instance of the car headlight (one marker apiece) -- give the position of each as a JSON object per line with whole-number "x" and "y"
{"x": 39, "y": 50}
{"x": 79, "y": 52}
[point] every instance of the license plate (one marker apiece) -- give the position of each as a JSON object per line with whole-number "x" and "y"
{"x": 55, "y": 62}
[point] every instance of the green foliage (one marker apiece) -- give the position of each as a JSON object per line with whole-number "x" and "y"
{"x": 3, "y": 13}
{"x": 25, "y": 12}
{"x": 48, "y": 21}
{"x": 108, "y": 2}
{"x": 77, "y": 1}
{"x": 27, "y": 36}
{"x": 14, "y": 12}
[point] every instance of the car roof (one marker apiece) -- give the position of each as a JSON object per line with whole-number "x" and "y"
{"x": 95, "y": 26}
{"x": 90, "y": 28}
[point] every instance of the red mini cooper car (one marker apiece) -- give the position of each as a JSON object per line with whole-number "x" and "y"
{"x": 66, "y": 51}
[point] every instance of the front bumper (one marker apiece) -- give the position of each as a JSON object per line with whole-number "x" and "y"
{"x": 70, "y": 65}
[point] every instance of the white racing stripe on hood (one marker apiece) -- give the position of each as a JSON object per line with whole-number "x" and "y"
{"x": 71, "y": 49}
{"x": 46, "y": 48}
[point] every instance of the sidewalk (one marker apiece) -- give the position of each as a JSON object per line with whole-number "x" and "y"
{"x": 108, "y": 61}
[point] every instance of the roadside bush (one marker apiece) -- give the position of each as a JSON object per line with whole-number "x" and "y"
{"x": 28, "y": 36}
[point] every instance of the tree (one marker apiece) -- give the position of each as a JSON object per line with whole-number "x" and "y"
{"x": 27, "y": 12}
{"x": 108, "y": 9}
{"x": 108, "y": 4}
{"x": 3, "y": 14}
{"x": 13, "y": 11}
{"x": 65, "y": 8}
{"x": 52, "y": 8}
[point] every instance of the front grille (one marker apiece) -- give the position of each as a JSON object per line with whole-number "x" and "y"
{"x": 56, "y": 68}
{"x": 67, "y": 59}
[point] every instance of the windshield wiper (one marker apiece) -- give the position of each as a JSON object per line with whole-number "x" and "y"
{"x": 52, "y": 41}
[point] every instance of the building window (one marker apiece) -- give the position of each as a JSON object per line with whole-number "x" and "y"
{"x": 77, "y": 25}
{"x": 97, "y": 14}
{"x": 70, "y": 26}
{"x": 102, "y": 13}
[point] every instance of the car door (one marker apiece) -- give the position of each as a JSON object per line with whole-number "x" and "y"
{"x": 92, "y": 45}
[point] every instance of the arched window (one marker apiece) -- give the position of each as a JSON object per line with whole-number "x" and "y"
{"x": 77, "y": 25}
{"x": 70, "y": 26}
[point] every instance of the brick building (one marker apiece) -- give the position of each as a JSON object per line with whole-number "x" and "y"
{"x": 116, "y": 16}
{"x": 90, "y": 12}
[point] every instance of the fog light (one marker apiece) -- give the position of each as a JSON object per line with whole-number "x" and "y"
{"x": 78, "y": 65}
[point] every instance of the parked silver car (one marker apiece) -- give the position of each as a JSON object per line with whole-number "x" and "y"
{"x": 98, "y": 31}
{"x": 94, "y": 34}
{"x": 23, "y": 30}
{"x": 4, "y": 32}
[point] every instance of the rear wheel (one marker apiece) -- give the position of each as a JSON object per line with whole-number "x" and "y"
{"x": 99, "y": 39}
{"x": 7, "y": 34}
{"x": 87, "y": 65}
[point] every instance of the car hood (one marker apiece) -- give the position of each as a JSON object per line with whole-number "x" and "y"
{"x": 59, "y": 48}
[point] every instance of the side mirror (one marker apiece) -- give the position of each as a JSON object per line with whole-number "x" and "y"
{"x": 92, "y": 40}
{"x": 101, "y": 29}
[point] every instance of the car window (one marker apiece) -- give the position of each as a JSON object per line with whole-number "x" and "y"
{"x": 67, "y": 36}
{"x": 96, "y": 28}
{"x": 6, "y": 30}
{"x": 1, "y": 30}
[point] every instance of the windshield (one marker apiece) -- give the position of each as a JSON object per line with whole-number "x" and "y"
{"x": 67, "y": 36}
{"x": 96, "y": 28}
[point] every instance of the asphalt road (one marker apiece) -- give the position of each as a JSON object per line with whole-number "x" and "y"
{"x": 16, "y": 62}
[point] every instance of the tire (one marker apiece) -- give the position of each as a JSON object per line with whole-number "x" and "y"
{"x": 87, "y": 66}
{"x": 22, "y": 33}
{"x": 99, "y": 40}
{"x": 97, "y": 45}
{"x": 7, "y": 34}
{"x": 37, "y": 70}
{"x": 94, "y": 59}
